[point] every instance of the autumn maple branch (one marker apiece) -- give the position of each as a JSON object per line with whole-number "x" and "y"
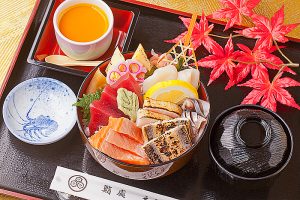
{"x": 265, "y": 61}
{"x": 225, "y": 37}
{"x": 277, "y": 47}
{"x": 256, "y": 61}
{"x": 290, "y": 64}
{"x": 282, "y": 68}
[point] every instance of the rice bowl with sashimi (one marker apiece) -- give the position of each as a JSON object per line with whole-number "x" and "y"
{"x": 134, "y": 127}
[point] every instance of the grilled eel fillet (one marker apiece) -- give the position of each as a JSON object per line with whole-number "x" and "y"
{"x": 153, "y": 130}
{"x": 168, "y": 146}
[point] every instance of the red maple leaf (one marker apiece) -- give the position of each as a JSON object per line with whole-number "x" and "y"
{"x": 268, "y": 30}
{"x": 259, "y": 61}
{"x": 234, "y": 10}
{"x": 268, "y": 93}
{"x": 221, "y": 61}
{"x": 199, "y": 35}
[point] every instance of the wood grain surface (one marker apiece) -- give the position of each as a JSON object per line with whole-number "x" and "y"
{"x": 14, "y": 15}
{"x": 265, "y": 7}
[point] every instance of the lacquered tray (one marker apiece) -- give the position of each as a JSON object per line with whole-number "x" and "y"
{"x": 125, "y": 18}
{"x": 29, "y": 169}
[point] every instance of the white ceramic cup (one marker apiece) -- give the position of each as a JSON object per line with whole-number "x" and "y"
{"x": 84, "y": 50}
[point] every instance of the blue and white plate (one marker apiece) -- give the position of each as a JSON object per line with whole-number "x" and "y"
{"x": 39, "y": 111}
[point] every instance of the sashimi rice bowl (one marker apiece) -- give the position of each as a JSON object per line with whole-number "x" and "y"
{"x": 141, "y": 115}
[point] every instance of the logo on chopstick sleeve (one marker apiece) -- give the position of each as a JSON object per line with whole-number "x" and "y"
{"x": 77, "y": 183}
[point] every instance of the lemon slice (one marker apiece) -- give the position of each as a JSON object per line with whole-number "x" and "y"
{"x": 174, "y": 91}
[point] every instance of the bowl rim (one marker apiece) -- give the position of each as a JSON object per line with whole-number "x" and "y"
{"x": 128, "y": 164}
{"x": 62, "y": 134}
{"x": 237, "y": 107}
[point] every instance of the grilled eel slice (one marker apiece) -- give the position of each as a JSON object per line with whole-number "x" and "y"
{"x": 168, "y": 146}
{"x": 153, "y": 130}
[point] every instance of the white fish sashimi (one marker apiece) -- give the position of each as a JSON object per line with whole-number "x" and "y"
{"x": 166, "y": 73}
{"x": 191, "y": 76}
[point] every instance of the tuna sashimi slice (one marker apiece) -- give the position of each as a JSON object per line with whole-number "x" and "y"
{"x": 128, "y": 82}
{"x": 108, "y": 104}
{"x": 98, "y": 118}
{"x": 101, "y": 110}
{"x": 111, "y": 91}
{"x": 126, "y": 127}
{"x": 122, "y": 155}
{"x": 124, "y": 142}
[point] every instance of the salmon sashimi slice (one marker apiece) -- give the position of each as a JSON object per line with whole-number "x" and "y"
{"x": 122, "y": 155}
{"x": 122, "y": 141}
{"x": 127, "y": 127}
{"x": 98, "y": 137}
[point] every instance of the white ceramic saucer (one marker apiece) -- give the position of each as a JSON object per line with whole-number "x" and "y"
{"x": 39, "y": 111}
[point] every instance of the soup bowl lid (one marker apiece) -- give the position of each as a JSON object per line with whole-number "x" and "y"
{"x": 250, "y": 142}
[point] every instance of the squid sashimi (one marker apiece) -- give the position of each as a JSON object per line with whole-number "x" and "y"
{"x": 122, "y": 155}
{"x": 127, "y": 127}
{"x": 126, "y": 143}
{"x": 166, "y": 73}
{"x": 191, "y": 76}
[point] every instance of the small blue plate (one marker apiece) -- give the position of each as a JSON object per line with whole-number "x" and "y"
{"x": 39, "y": 111}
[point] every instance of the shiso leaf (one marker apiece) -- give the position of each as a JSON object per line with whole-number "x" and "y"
{"x": 85, "y": 102}
{"x": 128, "y": 103}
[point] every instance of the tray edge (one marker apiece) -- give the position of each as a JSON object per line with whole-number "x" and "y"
{"x": 17, "y": 52}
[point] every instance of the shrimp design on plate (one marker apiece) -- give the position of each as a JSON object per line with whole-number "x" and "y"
{"x": 33, "y": 128}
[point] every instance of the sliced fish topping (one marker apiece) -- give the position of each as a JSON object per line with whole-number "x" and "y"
{"x": 168, "y": 146}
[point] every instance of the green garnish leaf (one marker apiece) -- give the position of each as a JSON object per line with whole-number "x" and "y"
{"x": 149, "y": 73}
{"x": 179, "y": 64}
{"x": 85, "y": 102}
{"x": 128, "y": 103}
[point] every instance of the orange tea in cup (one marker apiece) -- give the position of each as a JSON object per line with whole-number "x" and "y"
{"x": 83, "y": 22}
